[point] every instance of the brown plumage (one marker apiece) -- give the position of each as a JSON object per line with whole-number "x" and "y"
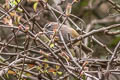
{"x": 68, "y": 33}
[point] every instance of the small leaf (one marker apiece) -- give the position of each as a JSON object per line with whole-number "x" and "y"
{"x": 76, "y": 0}
{"x": 45, "y": 71}
{"x": 52, "y": 45}
{"x": 39, "y": 67}
{"x": 51, "y": 70}
{"x": 83, "y": 77}
{"x": 31, "y": 65}
{"x": 19, "y": 9}
{"x": 28, "y": 74}
{"x": 45, "y": 59}
{"x": 45, "y": 64}
{"x": 35, "y": 6}
{"x": 7, "y": 75}
{"x": 14, "y": 2}
{"x": 59, "y": 72}
{"x": 11, "y": 72}
{"x": 18, "y": 0}
{"x": 57, "y": 67}
{"x": 18, "y": 19}
{"x": 68, "y": 9}
{"x": 8, "y": 20}
{"x": 13, "y": 14}
{"x": 54, "y": 73}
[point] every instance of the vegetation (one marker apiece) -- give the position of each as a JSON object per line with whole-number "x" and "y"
{"x": 27, "y": 53}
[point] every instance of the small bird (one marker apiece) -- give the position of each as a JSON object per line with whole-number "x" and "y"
{"x": 68, "y": 34}
{"x": 66, "y": 31}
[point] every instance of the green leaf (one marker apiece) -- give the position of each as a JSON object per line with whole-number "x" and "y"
{"x": 83, "y": 77}
{"x": 52, "y": 45}
{"x": 57, "y": 67}
{"x": 1, "y": 59}
{"x": 45, "y": 71}
{"x": 35, "y": 6}
{"x": 7, "y": 75}
{"x": 14, "y": 2}
{"x": 59, "y": 72}
{"x": 54, "y": 73}
{"x": 19, "y": 9}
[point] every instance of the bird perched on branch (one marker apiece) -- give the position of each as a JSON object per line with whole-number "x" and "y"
{"x": 52, "y": 28}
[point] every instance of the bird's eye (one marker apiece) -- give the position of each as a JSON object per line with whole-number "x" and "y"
{"x": 47, "y": 25}
{"x": 48, "y": 29}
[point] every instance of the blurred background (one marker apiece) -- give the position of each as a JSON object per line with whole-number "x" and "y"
{"x": 88, "y": 15}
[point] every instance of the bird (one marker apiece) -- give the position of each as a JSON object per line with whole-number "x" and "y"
{"x": 68, "y": 34}
{"x": 51, "y": 27}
